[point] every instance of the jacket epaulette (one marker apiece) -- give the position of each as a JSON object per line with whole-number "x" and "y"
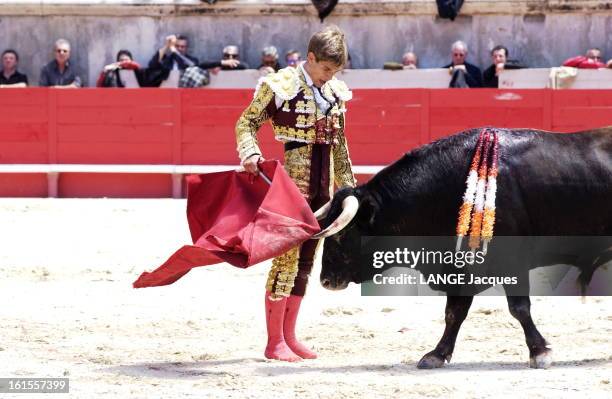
{"x": 285, "y": 83}
{"x": 340, "y": 89}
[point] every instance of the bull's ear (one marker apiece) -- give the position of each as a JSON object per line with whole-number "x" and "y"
{"x": 368, "y": 209}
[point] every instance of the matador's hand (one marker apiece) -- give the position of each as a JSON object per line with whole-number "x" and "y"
{"x": 250, "y": 164}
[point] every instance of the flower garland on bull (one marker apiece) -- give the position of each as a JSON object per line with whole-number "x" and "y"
{"x": 477, "y": 212}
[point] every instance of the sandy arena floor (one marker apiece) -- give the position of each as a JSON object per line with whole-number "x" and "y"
{"x": 68, "y": 309}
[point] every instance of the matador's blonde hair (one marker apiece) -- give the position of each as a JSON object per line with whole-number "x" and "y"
{"x": 329, "y": 44}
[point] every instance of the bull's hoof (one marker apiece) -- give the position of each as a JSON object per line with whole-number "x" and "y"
{"x": 431, "y": 361}
{"x": 542, "y": 361}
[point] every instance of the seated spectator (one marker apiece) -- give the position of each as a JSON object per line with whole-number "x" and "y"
{"x": 174, "y": 55}
{"x": 59, "y": 72}
{"x": 229, "y": 62}
{"x": 499, "y": 57}
{"x": 293, "y": 58}
{"x": 592, "y": 60}
{"x": 609, "y": 63}
{"x": 109, "y": 77}
{"x": 464, "y": 74}
{"x": 410, "y": 60}
{"x": 269, "y": 58}
{"x": 9, "y": 76}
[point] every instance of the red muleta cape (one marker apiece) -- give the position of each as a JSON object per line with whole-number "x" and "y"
{"x": 238, "y": 218}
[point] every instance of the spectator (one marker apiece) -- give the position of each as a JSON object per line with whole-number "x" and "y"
{"x": 59, "y": 72}
{"x": 410, "y": 60}
{"x": 592, "y": 60}
{"x": 293, "y": 58}
{"x": 609, "y": 63}
{"x": 464, "y": 74}
{"x": 173, "y": 55}
{"x": 109, "y": 77}
{"x": 499, "y": 57}
{"x": 182, "y": 47}
{"x": 269, "y": 58}
{"x": 229, "y": 62}
{"x": 9, "y": 76}
{"x": 173, "y": 61}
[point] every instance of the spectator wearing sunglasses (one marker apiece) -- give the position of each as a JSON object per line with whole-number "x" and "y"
{"x": 60, "y": 72}
{"x": 293, "y": 58}
{"x": 229, "y": 62}
{"x": 591, "y": 60}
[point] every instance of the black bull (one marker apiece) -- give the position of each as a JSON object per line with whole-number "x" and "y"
{"x": 549, "y": 184}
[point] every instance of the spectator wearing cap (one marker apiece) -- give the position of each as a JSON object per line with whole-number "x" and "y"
{"x": 293, "y": 58}
{"x": 9, "y": 76}
{"x": 463, "y": 73}
{"x": 269, "y": 58}
{"x": 500, "y": 62}
{"x": 591, "y": 60}
{"x": 229, "y": 62}
{"x": 59, "y": 72}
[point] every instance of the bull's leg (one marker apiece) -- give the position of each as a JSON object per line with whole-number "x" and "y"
{"x": 540, "y": 356}
{"x": 457, "y": 308}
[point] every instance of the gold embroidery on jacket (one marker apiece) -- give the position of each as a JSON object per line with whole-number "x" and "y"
{"x": 251, "y": 120}
{"x": 297, "y": 161}
{"x": 343, "y": 169}
{"x": 285, "y": 133}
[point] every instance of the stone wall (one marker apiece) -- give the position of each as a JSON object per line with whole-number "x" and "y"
{"x": 539, "y": 33}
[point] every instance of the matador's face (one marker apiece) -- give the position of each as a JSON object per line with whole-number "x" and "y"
{"x": 321, "y": 71}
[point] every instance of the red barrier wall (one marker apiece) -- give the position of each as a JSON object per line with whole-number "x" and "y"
{"x": 177, "y": 126}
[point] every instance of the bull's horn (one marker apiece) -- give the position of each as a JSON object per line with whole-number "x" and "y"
{"x": 350, "y": 206}
{"x": 323, "y": 211}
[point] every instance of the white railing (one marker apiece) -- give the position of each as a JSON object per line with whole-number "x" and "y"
{"x": 177, "y": 171}
{"x": 568, "y": 78}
